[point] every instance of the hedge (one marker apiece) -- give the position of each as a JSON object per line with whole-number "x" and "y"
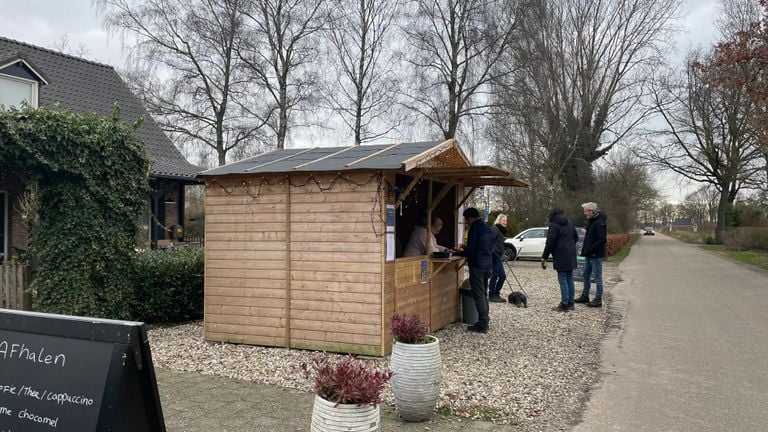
{"x": 746, "y": 238}
{"x": 168, "y": 285}
{"x": 615, "y": 243}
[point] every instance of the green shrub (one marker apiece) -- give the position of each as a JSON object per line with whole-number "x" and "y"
{"x": 90, "y": 174}
{"x": 746, "y": 238}
{"x": 168, "y": 285}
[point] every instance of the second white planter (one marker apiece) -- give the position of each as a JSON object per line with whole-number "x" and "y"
{"x": 329, "y": 417}
{"x": 416, "y": 378}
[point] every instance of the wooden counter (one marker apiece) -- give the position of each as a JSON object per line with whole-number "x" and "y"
{"x": 436, "y": 300}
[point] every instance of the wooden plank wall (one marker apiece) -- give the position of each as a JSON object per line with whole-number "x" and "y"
{"x": 336, "y": 266}
{"x": 445, "y": 296}
{"x": 245, "y": 262}
{"x": 412, "y": 296}
{"x": 389, "y": 304}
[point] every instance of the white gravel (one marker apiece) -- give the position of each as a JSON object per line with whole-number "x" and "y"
{"x": 534, "y": 368}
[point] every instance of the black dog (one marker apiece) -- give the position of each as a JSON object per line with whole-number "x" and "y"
{"x": 518, "y": 299}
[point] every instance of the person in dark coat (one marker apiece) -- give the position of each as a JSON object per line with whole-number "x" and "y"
{"x": 594, "y": 252}
{"x": 561, "y": 244}
{"x": 478, "y": 252}
{"x": 498, "y": 276}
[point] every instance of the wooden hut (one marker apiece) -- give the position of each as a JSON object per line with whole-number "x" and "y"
{"x": 303, "y": 245}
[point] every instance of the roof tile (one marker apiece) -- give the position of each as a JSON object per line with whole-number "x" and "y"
{"x": 84, "y": 86}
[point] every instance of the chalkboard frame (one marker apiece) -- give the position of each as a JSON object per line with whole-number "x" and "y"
{"x": 131, "y": 373}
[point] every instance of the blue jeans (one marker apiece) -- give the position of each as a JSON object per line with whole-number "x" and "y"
{"x": 593, "y": 266}
{"x": 565, "y": 279}
{"x": 497, "y": 277}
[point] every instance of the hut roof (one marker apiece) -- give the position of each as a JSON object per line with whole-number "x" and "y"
{"x": 442, "y": 160}
{"x": 316, "y": 159}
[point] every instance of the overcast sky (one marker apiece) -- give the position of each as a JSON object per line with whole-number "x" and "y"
{"x": 47, "y": 22}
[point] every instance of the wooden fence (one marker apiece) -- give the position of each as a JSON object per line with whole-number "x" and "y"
{"x": 14, "y": 281}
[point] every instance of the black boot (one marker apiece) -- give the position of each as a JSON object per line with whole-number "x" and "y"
{"x": 496, "y": 299}
{"x": 596, "y": 303}
{"x": 582, "y": 299}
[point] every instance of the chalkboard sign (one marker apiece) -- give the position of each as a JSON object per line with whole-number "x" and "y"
{"x": 72, "y": 374}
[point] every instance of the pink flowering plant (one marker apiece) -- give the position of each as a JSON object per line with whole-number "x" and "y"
{"x": 409, "y": 329}
{"x": 346, "y": 381}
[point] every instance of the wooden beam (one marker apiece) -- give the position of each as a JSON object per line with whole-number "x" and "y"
{"x": 428, "y": 244}
{"x": 414, "y": 161}
{"x": 404, "y": 194}
{"x": 443, "y": 192}
{"x": 463, "y": 200}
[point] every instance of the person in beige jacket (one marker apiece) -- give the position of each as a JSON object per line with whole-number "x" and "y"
{"x": 417, "y": 243}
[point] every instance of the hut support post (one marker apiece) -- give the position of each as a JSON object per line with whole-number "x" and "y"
{"x": 288, "y": 263}
{"x": 430, "y": 207}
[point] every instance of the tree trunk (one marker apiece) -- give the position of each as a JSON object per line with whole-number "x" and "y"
{"x": 220, "y": 150}
{"x": 282, "y": 121}
{"x": 722, "y": 208}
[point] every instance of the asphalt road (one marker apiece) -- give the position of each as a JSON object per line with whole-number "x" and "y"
{"x": 690, "y": 349}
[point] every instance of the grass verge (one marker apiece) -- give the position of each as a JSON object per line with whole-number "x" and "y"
{"x": 752, "y": 257}
{"x": 691, "y": 237}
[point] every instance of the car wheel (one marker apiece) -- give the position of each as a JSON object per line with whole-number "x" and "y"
{"x": 510, "y": 253}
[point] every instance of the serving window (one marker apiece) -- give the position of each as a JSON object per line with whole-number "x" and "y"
{"x": 413, "y": 211}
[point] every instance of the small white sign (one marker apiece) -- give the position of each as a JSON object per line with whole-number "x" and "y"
{"x": 390, "y": 246}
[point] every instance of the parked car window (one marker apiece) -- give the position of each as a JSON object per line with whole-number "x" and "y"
{"x": 536, "y": 234}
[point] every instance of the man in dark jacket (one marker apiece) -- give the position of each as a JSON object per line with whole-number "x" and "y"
{"x": 594, "y": 251}
{"x": 478, "y": 252}
{"x": 561, "y": 244}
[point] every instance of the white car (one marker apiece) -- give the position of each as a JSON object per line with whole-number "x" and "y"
{"x": 530, "y": 243}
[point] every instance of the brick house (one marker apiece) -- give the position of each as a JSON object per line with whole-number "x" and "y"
{"x": 43, "y": 78}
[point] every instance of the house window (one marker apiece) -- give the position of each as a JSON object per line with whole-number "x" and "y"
{"x": 15, "y": 90}
{"x": 144, "y": 236}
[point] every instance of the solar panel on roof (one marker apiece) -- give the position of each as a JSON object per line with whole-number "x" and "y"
{"x": 327, "y": 159}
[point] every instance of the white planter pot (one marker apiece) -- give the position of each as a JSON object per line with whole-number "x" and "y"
{"x": 416, "y": 376}
{"x": 328, "y": 417}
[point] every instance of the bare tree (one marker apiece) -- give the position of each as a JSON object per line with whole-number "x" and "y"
{"x": 707, "y": 136}
{"x": 64, "y": 45}
{"x": 736, "y": 16}
{"x": 702, "y": 204}
{"x": 623, "y": 187}
{"x": 528, "y": 160}
{"x": 280, "y": 52}
{"x": 741, "y": 61}
{"x": 364, "y": 87}
{"x": 186, "y": 69}
{"x": 666, "y": 212}
{"x": 454, "y": 45}
{"x": 583, "y": 69}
